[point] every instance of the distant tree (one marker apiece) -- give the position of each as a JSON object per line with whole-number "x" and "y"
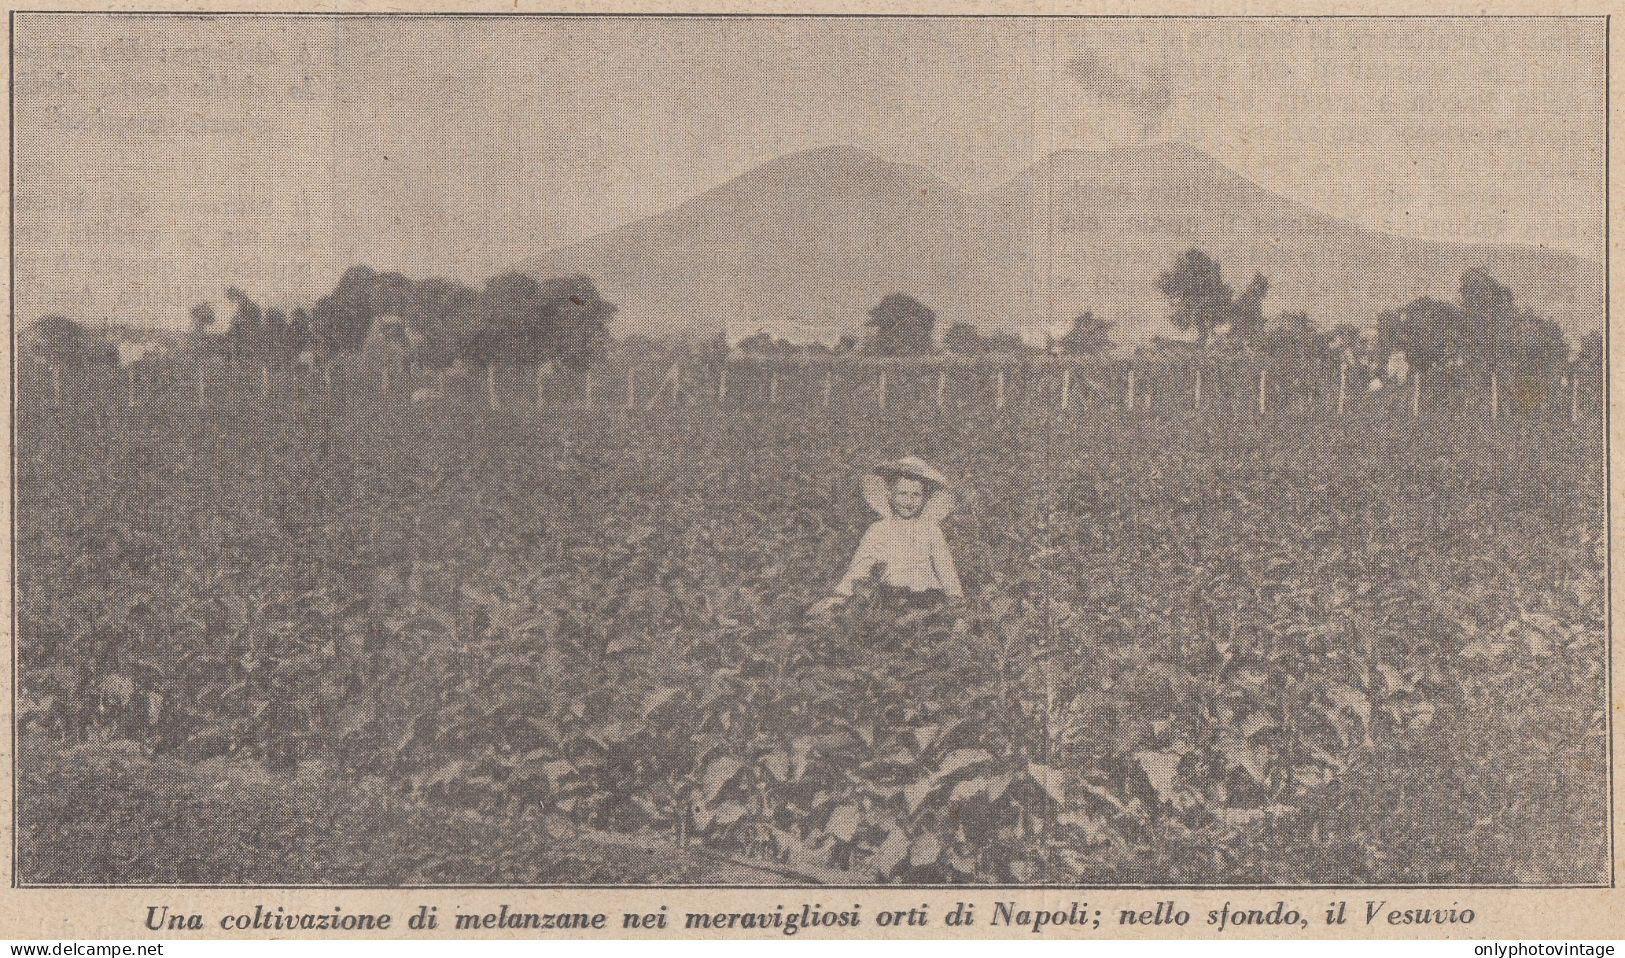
{"x": 245, "y": 336}
{"x": 1196, "y": 289}
{"x": 1088, "y": 336}
{"x": 1534, "y": 346}
{"x": 203, "y": 319}
{"x": 517, "y": 332}
{"x": 1247, "y": 312}
{"x": 1345, "y": 336}
{"x": 517, "y": 320}
{"x": 276, "y": 346}
{"x": 763, "y": 343}
{"x": 1426, "y": 330}
{"x": 576, "y": 322}
{"x": 963, "y": 339}
{"x": 429, "y": 315}
{"x": 1006, "y": 344}
{"x": 390, "y": 294}
{"x": 341, "y": 320}
{"x": 758, "y": 342}
{"x": 65, "y": 343}
{"x": 1295, "y": 344}
{"x": 1589, "y": 364}
{"x": 900, "y": 326}
{"x": 299, "y": 333}
{"x": 206, "y": 339}
{"x": 1489, "y": 318}
{"x": 846, "y": 344}
{"x": 1591, "y": 355}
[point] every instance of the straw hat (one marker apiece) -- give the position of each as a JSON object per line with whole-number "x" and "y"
{"x": 939, "y": 497}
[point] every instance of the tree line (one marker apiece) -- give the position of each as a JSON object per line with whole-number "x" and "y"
{"x": 516, "y": 319}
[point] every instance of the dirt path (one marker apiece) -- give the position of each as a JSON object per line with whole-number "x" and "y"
{"x": 110, "y": 815}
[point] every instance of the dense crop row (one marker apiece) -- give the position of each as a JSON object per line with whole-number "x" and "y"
{"x": 1191, "y": 651}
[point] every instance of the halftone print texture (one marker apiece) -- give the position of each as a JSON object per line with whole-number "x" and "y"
{"x": 440, "y": 442}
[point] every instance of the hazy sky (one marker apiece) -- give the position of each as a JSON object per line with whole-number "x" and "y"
{"x": 162, "y": 158}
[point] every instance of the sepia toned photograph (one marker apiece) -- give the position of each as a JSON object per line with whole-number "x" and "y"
{"x": 779, "y": 451}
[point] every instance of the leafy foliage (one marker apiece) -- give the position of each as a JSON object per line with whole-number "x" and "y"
{"x": 1193, "y": 651}
{"x": 61, "y": 341}
{"x": 964, "y": 339}
{"x": 1088, "y": 336}
{"x": 900, "y": 325}
{"x": 1196, "y": 288}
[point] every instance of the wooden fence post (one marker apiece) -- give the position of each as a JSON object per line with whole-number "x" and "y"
{"x": 829, "y": 377}
{"x": 1574, "y": 398}
{"x": 1342, "y": 386}
{"x": 631, "y": 387}
{"x": 56, "y": 384}
{"x": 1066, "y": 387}
{"x": 773, "y": 389}
{"x": 1263, "y": 389}
{"x": 491, "y": 386}
{"x": 1196, "y": 401}
{"x": 883, "y": 386}
{"x": 722, "y": 383}
{"x": 129, "y": 387}
{"x": 998, "y": 394}
{"x": 202, "y": 399}
{"x": 942, "y": 383}
{"x": 1128, "y": 393}
{"x": 1416, "y": 393}
{"x": 1495, "y": 395}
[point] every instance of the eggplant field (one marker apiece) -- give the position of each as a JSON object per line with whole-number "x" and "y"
{"x": 1216, "y": 647}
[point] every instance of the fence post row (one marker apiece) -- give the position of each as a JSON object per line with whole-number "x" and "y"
{"x": 1139, "y": 392}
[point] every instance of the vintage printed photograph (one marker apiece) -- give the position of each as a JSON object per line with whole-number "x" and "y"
{"x": 780, "y": 451}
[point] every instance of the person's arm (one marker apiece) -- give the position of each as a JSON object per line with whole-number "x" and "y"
{"x": 942, "y": 562}
{"x": 864, "y": 560}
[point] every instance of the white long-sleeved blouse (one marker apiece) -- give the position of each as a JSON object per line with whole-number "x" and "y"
{"x": 915, "y": 553}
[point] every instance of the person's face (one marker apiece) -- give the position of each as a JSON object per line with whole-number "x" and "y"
{"x": 907, "y": 496}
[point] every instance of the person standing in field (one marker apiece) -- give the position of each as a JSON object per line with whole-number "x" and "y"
{"x": 906, "y": 541}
